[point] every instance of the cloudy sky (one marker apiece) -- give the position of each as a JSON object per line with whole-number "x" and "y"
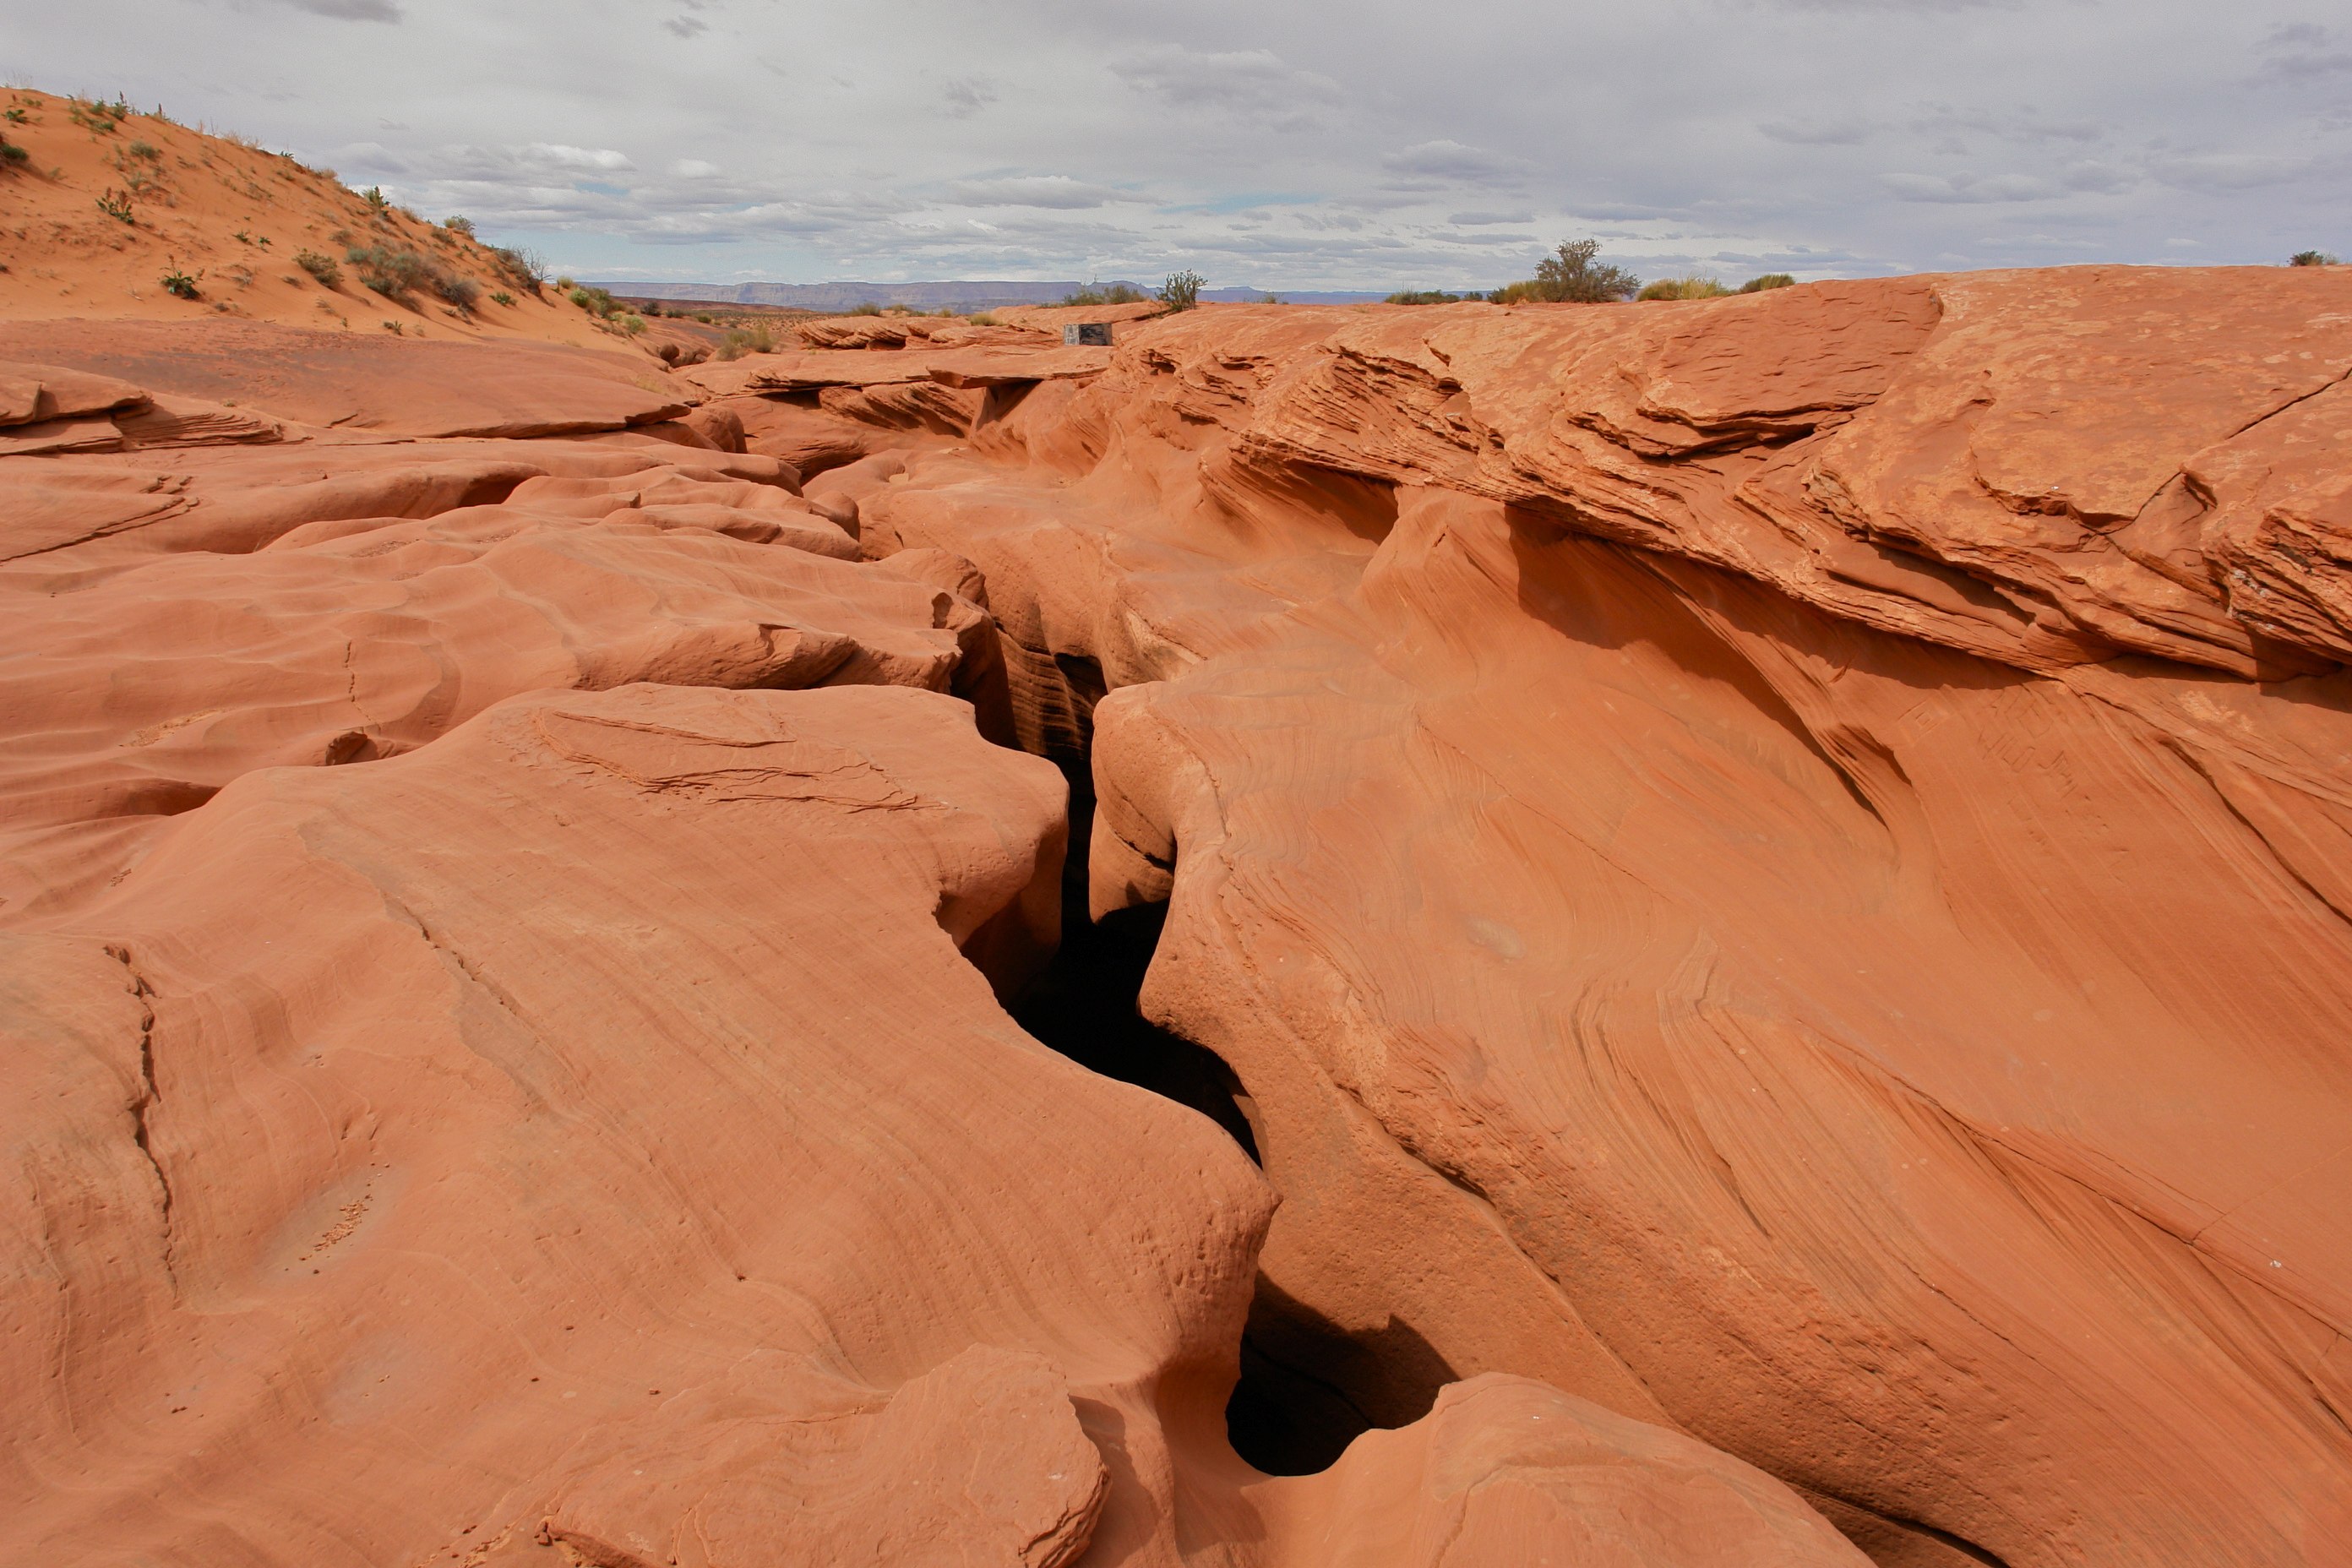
{"x": 1276, "y": 145}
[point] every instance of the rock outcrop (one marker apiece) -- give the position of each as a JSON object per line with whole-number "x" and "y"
{"x": 1726, "y": 921}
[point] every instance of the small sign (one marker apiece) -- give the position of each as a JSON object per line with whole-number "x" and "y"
{"x": 1092, "y": 334}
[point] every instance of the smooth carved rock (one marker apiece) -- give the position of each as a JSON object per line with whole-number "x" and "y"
{"x": 375, "y": 1204}
{"x": 360, "y": 381}
{"x": 1907, "y": 1061}
{"x": 1768, "y": 880}
{"x": 981, "y": 1460}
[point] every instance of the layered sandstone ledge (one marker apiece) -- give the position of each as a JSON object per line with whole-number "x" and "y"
{"x": 1755, "y": 890}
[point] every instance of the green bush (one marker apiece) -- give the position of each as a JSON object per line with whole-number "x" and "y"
{"x": 1769, "y": 281}
{"x": 1117, "y": 294}
{"x": 373, "y": 195}
{"x": 12, "y": 154}
{"x": 395, "y": 274}
{"x": 178, "y": 283}
{"x": 98, "y": 118}
{"x": 1181, "y": 291}
{"x": 1429, "y": 297}
{"x": 523, "y": 268}
{"x": 1691, "y": 288}
{"x": 1571, "y": 274}
{"x": 597, "y": 302}
{"x": 502, "y": 298}
{"x": 322, "y": 267}
{"x": 2311, "y": 258}
{"x": 868, "y": 309}
{"x": 741, "y": 341}
{"x": 116, "y": 205}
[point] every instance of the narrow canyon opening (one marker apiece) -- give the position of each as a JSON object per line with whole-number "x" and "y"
{"x": 1307, "y": 1386}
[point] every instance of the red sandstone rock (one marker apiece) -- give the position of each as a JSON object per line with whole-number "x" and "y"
{"x": 1506, "y": 1470}
{"x": 359, "y": 382}
{"x": 1814, "y": 1057}
{"x": 1778, "y": 865}
{"x": 412, "y": 1153}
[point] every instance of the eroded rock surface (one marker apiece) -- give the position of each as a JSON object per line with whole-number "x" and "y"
{"x": 1755, "y": 893}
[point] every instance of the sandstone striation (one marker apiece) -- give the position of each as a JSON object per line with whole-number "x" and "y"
{"x": 1726, "y": 923}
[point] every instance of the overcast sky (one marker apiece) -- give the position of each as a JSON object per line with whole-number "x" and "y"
{"x": 1378, "y": 145}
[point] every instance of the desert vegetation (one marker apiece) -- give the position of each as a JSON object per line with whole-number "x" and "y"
{"x": 321, "y": 269}
{"x": 1691, "y": 288}
{"x": 1181, "y": 291}
{"x": 1097, "y": 294}
{"x": 2312, "y": 259}
{"x": 1572, "y": 274}
{"x": 398, "y": 273}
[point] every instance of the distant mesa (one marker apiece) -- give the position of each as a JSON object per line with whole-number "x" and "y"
{"x": 961, "y": 297}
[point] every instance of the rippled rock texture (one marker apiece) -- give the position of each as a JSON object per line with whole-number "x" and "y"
{"x": 1726, "y": 923}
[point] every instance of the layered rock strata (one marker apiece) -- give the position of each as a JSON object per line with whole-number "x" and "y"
{"x": 1756, "y": 891}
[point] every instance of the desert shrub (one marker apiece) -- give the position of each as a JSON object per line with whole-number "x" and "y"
{"x": 322, "y": 267}
{"x": 455, "y": 225}
{"x": 11, "y": 153}
{"x": 632, "y": 323}
{"x": 392, "y": 273}
{"x": 706, "y": 318}
{"x": 179, "y": 284}
{"x": 1769, "y": 281}
{"x": 1181, "y": 291}
{"x": 753, "y": 340}
{"x": 868, "y": 309}
{"x": 523, "y": 268}
{"x": 146, "y": 149}
{"x": 597, "y": 302}
{"x": 563, "y": 285}
{"x": 373, "y": 195}
{"x": 98, "y": 118}
{"x": 1117, "y": 294}
{"x": 502, "y": 298}
{"x": 15, "y": 116}
{"x": 981, "y": 320}
{"x": 456, "y": 289}
{"x": 2311, "y": 258}
{"x": 1691, "y": 288}
{"x": 1571, "y": 274}
{"x": 116, "y": 205}
{"x": 1419, "y": 297}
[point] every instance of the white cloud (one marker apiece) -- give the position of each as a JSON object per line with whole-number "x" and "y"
{"x": 1029, "y": 191}
{"x": 349, "y": 10}
{"x": 1263, "y": 145}
{"x": 1968, "y": 187}
{"x": 1242, "y": 82}
{"x": 1816, "y": 134}
{"x": 1452, "y": 161}
{"x": 966, "y": 96}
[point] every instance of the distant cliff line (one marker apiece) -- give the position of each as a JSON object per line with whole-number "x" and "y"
{"x": 960, "y": 296}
